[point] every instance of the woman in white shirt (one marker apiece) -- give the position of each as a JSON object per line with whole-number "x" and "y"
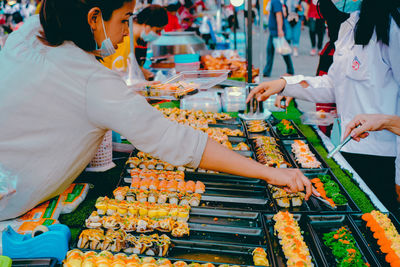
{"x": 364, "y": 78}
{"x": 57, "y": 101}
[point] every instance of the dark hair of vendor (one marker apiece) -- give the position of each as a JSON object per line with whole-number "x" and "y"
{"x": 376, "y": 16}
{"x": 153, "y": 15}
{"x": 67, "y": 20}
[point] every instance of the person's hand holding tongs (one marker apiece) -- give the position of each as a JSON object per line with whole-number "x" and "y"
{"x": 354, "y": 130}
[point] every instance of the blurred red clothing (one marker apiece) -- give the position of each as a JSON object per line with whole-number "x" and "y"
{"x": 173, "y": 23}
{"x": 312, "y": 10}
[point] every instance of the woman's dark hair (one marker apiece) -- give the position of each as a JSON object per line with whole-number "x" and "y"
{"x": 374, "y": 16}
{"x": 153, "y": 15}
{"x": 173, "y": 7}
{"x": 16, "y": 17}
{"x": 67, "y": 20}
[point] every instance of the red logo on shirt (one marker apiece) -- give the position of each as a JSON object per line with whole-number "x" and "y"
{"x": 355, "y": 64}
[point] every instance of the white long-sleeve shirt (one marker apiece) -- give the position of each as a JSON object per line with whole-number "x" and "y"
{"x": 360, "y": 80}
{"x": 56, "y": 104}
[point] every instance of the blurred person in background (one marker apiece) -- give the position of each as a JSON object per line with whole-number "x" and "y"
{"x": 173, "y": 21}
{"x": 276, "y": 26}
{"x": 316, "y": 25}
{"x": 293, "y": 22}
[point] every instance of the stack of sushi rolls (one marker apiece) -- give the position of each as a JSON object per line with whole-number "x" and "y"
{"x": 268, "y": 152}
{"x": 304, "y": 156}
{"x": 284, "y": 199}
{"x": 184, "y": 194}
{"x": 77, "y": 258}
{"x": 119, "y": 240}
{"x": 292, "y": 242}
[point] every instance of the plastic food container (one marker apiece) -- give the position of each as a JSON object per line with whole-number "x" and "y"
{"x": 193, "y": 66}
{"x": 206, "y": 101}
{"x": 317, "y": 118}
{"x": 234, "y": 99}
{"x": 204, "y": 79}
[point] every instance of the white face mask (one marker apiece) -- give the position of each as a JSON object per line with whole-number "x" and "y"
{"x": 107, "y": 47}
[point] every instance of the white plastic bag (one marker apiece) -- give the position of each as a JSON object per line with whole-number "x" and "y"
{"x": 282, "y": 46}
{"x": 8, "y": 187}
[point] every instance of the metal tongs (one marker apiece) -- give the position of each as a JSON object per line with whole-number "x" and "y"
{"x": 337, "y": 149}
{"x": 325, "y": 202}
{"x": 254, "y": 107}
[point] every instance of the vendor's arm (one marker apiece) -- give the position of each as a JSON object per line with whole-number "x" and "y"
{"x": 314, "y": 89}
{"x": 219, "y": 158}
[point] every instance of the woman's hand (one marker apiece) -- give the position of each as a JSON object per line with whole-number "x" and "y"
{"x": 365, "y": 123}
{"x": 266, "y": 89}
{"x": 147, "y": 74}
{"x": 279, "y": 99}
{"x": 292, "y": 180}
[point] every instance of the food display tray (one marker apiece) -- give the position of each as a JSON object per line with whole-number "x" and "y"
{"x": 223, "y": 236}
{"x": 287, "y": 144}
{"x": 320, "y": 224}
{"x": 350, "y": 207}
{"x": 298, "y": 135}
{"x": 280, "y": 259}
{"x": 367, "y": 234}
{"x": 205, "y": 79}
{"x": 51, "y": 262}
{"x": 230, "y": 126}
{"x": 227, "y": 192}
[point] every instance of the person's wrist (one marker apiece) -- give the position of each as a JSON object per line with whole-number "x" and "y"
{"x": 282, "y": 84}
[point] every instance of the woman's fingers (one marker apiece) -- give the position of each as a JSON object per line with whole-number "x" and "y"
{"x": 259, "y": 89}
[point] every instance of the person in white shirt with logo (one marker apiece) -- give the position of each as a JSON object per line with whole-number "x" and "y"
{"x": 364, "y": 78}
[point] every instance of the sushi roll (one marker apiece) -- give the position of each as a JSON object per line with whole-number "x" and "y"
{"x": 134, "y": 162}
{"x": 120, "y": 192}
{"x": 145, "y": 183}
{"x": 154, "y": 184}
{"x": 151, "y": 164}
{"x": 200, "y": 187}
{"x": 183, "y": 213}
{"x": 135, "y": 184}
{"x": 162, "y": 197}
{"x": 173, "y": 198}
{"x": 184, "y": 199}
{"x": 142, "y": 225}
{"x": 165, "y": 225}
{"x": 135, "y": 173}
{"x": 172, "y": 185}
{"x": 196, "y": 264}
{"x": 160, "y": 166}
{"x": 181, "y": 168}
{"x": 162, "y": 262}
{"x": 181, "y": 187}
{"x": 201, "y": 170}
{"x": 142, "y": 196}
{"x": 112, "y": 222}
{"x": 102, "y": 205}
{"x": 90, "y": 238}
{"x": 94, "y": 221}
{"x": 133, "y": 209}
{"x": 128, "y": 224}
{"x": 163, "y": 185}
{"x": 112, "y": 206}
{"x": 297, "y": 201}
{"x": 260, "y": 257}
{"x": 195, "y": 200}
{"x": 180, "y": 264}
{"x": 152, "y": 198}
{"x": 131, "y": 195}
{"x": 283, "y": 202}
{"x": 190, "y": 187}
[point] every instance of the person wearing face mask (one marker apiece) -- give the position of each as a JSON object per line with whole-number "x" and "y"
{"x": 147, "y": 27}
{"x": 364, "y": 78}
{"x": 53, "y": 119}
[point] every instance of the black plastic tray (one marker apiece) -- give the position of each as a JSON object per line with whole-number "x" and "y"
{"x": 287, "y": 144}
{"x": 368, "y": 236}
{"x": 320, "y": 224}
{"x": 223, "y": 236}
{"x": 298, "y": 135}
{"x": 277, "y": 249}
{"x": 51, "y": 262}
{"x": 350, "y": 207}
